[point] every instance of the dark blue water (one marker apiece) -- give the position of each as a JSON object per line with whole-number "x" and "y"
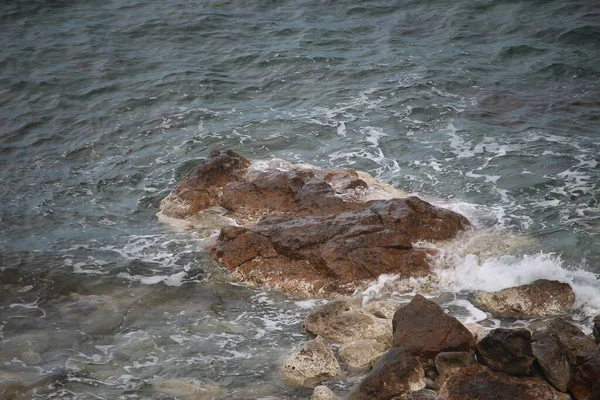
{"x": 488, "y": 107}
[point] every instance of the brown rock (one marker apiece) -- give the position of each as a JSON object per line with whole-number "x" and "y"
{"x": 542, "y": 298}
{"x": 553, "y": 361}
{"x": 342, "y": 322}
{"x": 575, "y": 344}
{"x": 585, "y": 382}
{"x": 479, "y": 383}
{"x": 423, "y": 394}
{"x": 507, "y": 350}
{"x": 425, "y": 330}
{"x": 449, "y": 363}
{"x": 596, "y": 329}
{"x": 397, "y": 373}
{"x": 202, "y": 186}
{"x": 336, "y": 252}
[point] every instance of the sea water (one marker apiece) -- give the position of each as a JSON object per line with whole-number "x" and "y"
{"x": 489, "y": 107}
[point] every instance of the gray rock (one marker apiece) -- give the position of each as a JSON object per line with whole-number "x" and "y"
{"x": 572, "y": 340}
{"x": 341, "y": 322}
{"x": 31, "y": 358}
{"x": 552, "y": 361}
{"x": 324, "y": 393}
{"x": 310, "y": 365}
{"x": 542, "y": 298}
{"x": 362, "y": 354}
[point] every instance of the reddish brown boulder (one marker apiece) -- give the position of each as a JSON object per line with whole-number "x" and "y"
{"x": 425, "y": 330}
{"x": 201, "y": 187}
{"x": 479, "y": 383}
{"x": 336, "y": 252}
{"x": 508, "y": 351}
{"x": 585, "y": 382}
{"x": 397, "y": 373}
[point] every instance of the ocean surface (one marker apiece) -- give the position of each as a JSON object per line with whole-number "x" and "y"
{"x": 488, "y": 107}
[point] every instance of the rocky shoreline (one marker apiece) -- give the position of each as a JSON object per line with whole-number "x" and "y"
{"x": 329, "y": 233}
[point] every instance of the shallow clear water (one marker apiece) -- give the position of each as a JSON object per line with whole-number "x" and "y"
{"x": 488, "y": 107}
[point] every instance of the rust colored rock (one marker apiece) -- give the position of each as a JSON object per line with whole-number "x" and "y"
{"x": 542, "y": 298}
{"x": 336, "y": 252}
{"x": 425, "y": 330}
{"x": 585, "y": 382}
{"x": 479, "y": 383}
{"x": 508, "y": 351}
{"x": 396, "y": 374}
{"x": 201, "y": 187}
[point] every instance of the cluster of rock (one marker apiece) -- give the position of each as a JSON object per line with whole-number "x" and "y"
{"x": 424, "y": 353}
{"x": 320, "y": 231}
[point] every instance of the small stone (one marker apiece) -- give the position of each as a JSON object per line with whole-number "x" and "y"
{"x": 310, "y": 365}
{"x": 324, "y": 393}
{"x": 31, "y": 358}
{"x": 362, "y": 354}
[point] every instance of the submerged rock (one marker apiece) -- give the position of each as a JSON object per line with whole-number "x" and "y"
{"x": 321, "y": 230}
{"x": 479, "y": 383}
{"x": 508, "y": 351}
{"x": 342, "y": 322}
{"x": 189, "y": 389}
{"x": 397, "y": 373}
{"x": 425, "y": 330}
{"x": 310, "y": 365}
{"x": 542, "y": 298}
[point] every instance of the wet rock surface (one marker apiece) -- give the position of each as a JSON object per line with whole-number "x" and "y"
{"x": 425, "y": 330}
{"x": 320, "y": 232}
{"x": 553, "y": 361}
{"x": 542, "y": 298}
{"x": 310, "y": 365}
{"x": 585, "y": 382}
{"x": 396, "y": 374}
{"x": 324, "y": 393}
{"x": 508, "y": 351}
{"x": 596, "y": 329}
{"x": 479, "y": 383}
{"x": 341, "y": 322}
{"x": 575, "y": 344}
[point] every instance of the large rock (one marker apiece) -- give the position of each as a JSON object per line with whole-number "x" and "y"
{"x": 336, "y": 252}
{"x": 553, "y": 361}
{"x": 310, "y": 365}
{"x": 479, "y": 383}
{"x": 383, "y": 308}
{"x": 342, "y": 322}
{"x": 322, "y": 230}
{"x": 425, "y": 330}
{"x": 542, "y": 298}
{"x": 508, "y": 351}
{"x": 396, "y": 374}
{"x": 585, "y": 382}
{"x": 575, "y": 344}
{"x": 362, "y": 354}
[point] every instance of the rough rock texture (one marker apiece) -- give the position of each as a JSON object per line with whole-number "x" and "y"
{"x": 397, "y": 373}
{"x": 310, "y": 365}
{"x": 202, "y": 187}
{"x": 448, "y": 363}
{"x": 423, "y": 394}
{"x": 341, "y": 322}
{"x": 324, "y": 393}
{"x": 553, "y": 361}
{"x": 336, "y": 252}
{"x": 596, "y": 328}
{"x": 508, "y": 351}
{"x": 425, "y": 330}
{"x": 542, "y": 298}
{"x": 585, "y": 382}
{"x": 362, "y": 354}
{"x": 384, "y": 309}
{"x": 575, "y": 344}
{"x": 479, "y": 383}
{"x": 320, "y": 233}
